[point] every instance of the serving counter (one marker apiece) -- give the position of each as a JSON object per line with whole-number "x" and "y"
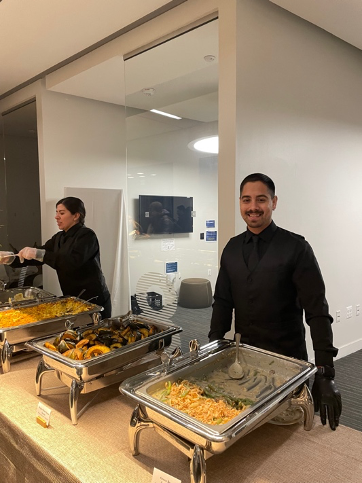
{"x": 96, "y": 450}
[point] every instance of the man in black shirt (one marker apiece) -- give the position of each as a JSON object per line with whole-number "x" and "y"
{"x": 270, "y": 276}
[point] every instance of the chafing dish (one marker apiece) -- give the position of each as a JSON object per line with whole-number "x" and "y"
{"x": 84, "y": 376}
{"x": 14, "y": 339}
{"x": 280, "y": 387}
{"x": 18, "y": 296}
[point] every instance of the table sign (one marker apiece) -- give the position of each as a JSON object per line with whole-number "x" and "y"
{"x": 43, "y": 415}
{"x": 161, "y": 477}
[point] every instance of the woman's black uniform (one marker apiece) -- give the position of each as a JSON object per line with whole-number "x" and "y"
{"x": 76, "y": 258}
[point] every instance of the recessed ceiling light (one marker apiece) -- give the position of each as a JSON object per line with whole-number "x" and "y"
{"x": 208, "y": 144}
{"x": 165, "y": 114}
{"x": 140, "y": 173}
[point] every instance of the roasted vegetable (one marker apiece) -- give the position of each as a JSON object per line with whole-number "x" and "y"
{"x": 98, "y": 340}
{"x": 96, "y": 350}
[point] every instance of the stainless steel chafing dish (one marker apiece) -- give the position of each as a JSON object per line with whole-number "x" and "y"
{"x": 84, "y": 376}
{"x": 18, "y": 296}
{"x": 280, "y": 388}
{"x": 14, "y": 339}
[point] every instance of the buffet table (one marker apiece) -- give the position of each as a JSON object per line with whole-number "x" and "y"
{"x": 96, "y": 450}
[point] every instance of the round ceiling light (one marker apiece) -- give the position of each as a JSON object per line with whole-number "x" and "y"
{"x": 208, "y": 144}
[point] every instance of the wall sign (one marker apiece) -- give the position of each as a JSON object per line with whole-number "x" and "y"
{"x": 210, "y": 223}
{"x": 211, "y": 236}
{"x": 168, "y": 244}
{"x": 171, "y": 267}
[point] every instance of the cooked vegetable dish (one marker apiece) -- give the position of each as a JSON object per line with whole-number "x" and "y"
{"x": 85, "y": 344}
{"x": 207, "y": 404}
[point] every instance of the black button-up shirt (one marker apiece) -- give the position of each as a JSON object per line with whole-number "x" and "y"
{"x": 269, "y": 301}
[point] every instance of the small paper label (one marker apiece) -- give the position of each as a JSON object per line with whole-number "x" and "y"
{"x": 168, "y": 244}
{"x": 43, "y": 413}
{"x": 161, "y": 477}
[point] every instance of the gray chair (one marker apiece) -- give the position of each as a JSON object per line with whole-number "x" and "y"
{"x": 195, "y": 293}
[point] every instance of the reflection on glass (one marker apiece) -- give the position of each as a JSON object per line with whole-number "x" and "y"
{"x": 165, "y": 214}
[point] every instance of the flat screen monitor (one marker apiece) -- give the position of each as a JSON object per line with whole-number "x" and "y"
{"x": 165, "y": 214}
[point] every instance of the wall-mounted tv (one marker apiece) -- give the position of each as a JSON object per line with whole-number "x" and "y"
{"x": 165, "y": 214}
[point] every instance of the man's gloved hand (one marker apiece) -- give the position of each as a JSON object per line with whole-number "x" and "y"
{"x": 327, "y": 400}
{"x": 29, "y": 253}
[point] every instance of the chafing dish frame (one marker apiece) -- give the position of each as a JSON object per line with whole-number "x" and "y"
{"x": 39, "y": 295}
{"x": 200, "y": 441}
{"x": 15, "y": 339}
{"x": 90, "y": 375}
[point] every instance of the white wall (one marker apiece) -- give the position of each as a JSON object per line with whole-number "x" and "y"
{"x": 83, "y": 146}
{"x": 300, "y": 122}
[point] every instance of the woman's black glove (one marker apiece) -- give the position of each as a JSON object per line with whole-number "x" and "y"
{"x": 327, "y": 400}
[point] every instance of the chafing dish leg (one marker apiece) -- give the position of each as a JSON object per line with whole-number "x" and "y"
{"x": 5, "y": 356}
{"x": 198, "y": 465}
{"x": 40, "y": 371}
{"x": 304, "y": 400}
{"x": 138, "y": 422}
{"x": 75, "y": 389}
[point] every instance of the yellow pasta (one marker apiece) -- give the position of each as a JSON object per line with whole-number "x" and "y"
{"x": 187, "y": 397}
{"x": 50, "y": 310}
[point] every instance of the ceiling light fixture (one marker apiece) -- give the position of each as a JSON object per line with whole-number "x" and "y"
{"x": 165, "y": 114}
{"x": 208, "y": 144}
{"x": 148, "y": 91}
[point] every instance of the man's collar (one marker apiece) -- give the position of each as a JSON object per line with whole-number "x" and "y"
{"x": 266, "y": 235}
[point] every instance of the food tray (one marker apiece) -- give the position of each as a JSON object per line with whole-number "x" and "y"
{"x": 199, "y": 440}
{"x": 13, "y": 339}
{"x": 88, "y": 369}
{"x": 84, "y": 376}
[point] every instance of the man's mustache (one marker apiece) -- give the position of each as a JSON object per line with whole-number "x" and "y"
{"x": 254, "y": 212}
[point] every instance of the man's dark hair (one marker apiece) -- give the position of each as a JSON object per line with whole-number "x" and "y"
{"x": 252, "y": 178}
{"x": 74, "y": 205}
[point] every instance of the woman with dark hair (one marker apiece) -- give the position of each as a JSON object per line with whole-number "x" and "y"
{"x": 74, "y": 253}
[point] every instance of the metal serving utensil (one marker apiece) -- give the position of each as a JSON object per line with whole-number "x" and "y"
{"x": 236, "y": 370}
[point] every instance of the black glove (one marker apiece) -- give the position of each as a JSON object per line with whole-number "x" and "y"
{"x": 327, "y": 400}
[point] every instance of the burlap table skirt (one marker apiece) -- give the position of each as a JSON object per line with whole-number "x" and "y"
{"x": 96, "y": 450}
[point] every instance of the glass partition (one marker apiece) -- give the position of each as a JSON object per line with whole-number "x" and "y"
{"x": 20, "y": 197}
{"x": 171, "y": 102}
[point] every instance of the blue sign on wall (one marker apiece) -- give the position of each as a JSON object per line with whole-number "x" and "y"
{"x": 171, "y": 267}
{"x": 210, "y": 223}
{"x": 211, "y": 236}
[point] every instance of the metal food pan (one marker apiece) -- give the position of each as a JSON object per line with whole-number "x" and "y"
{"x": 292, "y": 373}
{"x": 86, "y": 370}
{"x": 41, "y": 328}
{"x": 30, "y": 294}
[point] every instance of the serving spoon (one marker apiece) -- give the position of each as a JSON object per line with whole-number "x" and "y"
{"x": 236, "y": 370}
